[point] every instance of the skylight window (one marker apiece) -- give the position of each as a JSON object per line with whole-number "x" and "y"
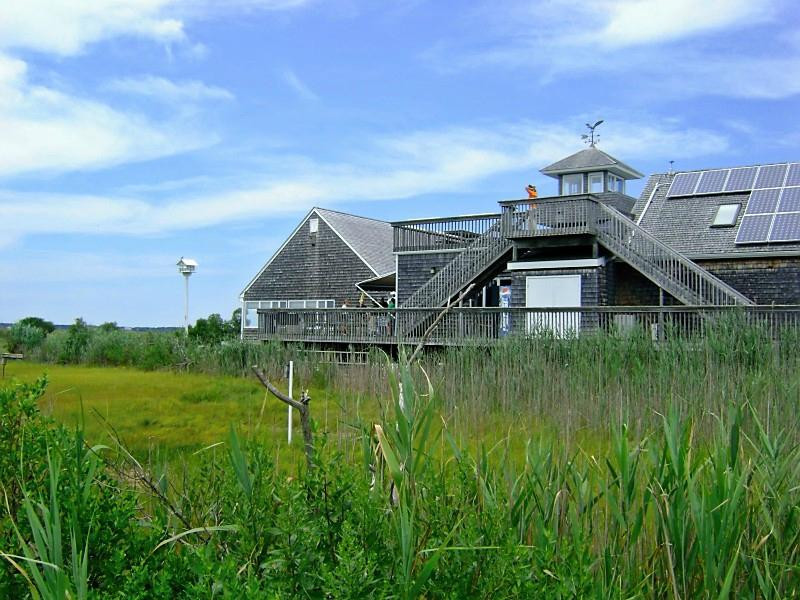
{"x": 726, "y": 215}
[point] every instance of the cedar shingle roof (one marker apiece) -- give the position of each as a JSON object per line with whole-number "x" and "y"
{"x": 588, "y": 159}
{"x": 369, "y": 238}
{"x": 685, "y": 222}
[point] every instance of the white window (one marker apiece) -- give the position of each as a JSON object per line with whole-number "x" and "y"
{"x": 572, "y": 184}
{"x": 596, "y": 183}
{"x": 313, "y": 225}
{"x": 616, "y": 184}
{"x": 726, "y": 215}
{"x": 250, "y": 315}
{"x": 251, "y": 308}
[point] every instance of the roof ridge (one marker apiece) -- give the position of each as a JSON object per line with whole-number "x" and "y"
{"x": 340, "y": 212}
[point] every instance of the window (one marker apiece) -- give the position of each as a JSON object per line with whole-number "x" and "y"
{"x": 616, "y": 184}
{"x": 572, "y": 184}
{"x": 251, "y": 308}
{"x": 726, "y": 215}
{"x": 250, "y": 315}
{"x": 596, "y": 183}
{"x": 313, "y": 225}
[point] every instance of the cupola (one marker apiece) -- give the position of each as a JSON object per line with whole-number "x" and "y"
{"x": 590, "y": 171}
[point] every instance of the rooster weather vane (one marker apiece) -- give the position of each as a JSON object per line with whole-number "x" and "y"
{"x": 591, "y": 138}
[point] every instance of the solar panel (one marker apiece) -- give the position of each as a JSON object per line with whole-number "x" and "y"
{"x": 754, "y": 229}
{"x": 741, "y": 179}
{"x": 712, "y": 181}
{"x": 790, "y": 200}
{"x": 771, "y": 176}
{"x": 786, "y": 228}
{"x": 684, "y": 184}
{"x": 762, "y": 201}
{"x": 793, "y": 178}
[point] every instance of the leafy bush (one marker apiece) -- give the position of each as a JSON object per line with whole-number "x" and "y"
{"x": 75, "y": 343}
{"x": 45, "y": 326}
{"x": 25, "y": 338}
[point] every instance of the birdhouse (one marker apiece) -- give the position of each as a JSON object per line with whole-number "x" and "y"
{"x": 186, "y": 265}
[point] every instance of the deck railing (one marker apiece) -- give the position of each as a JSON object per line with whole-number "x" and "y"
{"x": 669, "y": 269}
{"x": 462, "y": 326}
{"x": 448, "y": 233}
{"x": 482, "y": 252}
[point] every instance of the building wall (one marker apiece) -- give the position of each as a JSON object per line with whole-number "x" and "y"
{"x": 326, "y": 269}
{"x": 413, "y": 270}
{"x": 763, "y": 280}
{"x": 592, "y": 284}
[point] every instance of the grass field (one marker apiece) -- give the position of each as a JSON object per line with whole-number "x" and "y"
{"x": 160, "y": 410}
{"x": 603, "y": 467}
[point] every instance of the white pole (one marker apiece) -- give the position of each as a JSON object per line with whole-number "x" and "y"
{"x": 186, "y": 303}
{"x": 291, "y": 382}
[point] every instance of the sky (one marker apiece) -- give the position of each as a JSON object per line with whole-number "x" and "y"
{"x": 134, "y": 132}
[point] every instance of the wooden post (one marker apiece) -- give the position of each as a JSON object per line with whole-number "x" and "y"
{"x": 301, "y": 405}
{"x": 291, "y": 382}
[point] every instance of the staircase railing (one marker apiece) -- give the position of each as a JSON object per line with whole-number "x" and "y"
{"x": 665, "y": 266}
{"x": 684, "y": 279}
{"x": 462, "y": 270}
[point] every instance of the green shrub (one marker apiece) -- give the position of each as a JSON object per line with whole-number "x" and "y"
{"x": 76, "y": 342}
{"x": 25, "y": 338}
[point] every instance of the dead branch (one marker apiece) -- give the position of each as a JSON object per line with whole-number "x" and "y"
{"x": 301, "y": 406}
{"x": 433, "y": 325}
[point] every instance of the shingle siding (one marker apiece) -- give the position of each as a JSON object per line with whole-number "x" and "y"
{"x": 327, "y": 269}
{"x": 413, "y": 270}
{"x": 763, "y": 280}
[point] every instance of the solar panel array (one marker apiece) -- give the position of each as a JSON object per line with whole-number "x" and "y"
{"x": 772, "y": 215}
{"x": 740, "y": 179}
{"x": 773, "y": 209}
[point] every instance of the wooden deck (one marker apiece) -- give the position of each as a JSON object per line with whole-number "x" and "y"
{"x": 482, "y": 326}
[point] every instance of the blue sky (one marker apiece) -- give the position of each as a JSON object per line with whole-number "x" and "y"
{"x": 136, "y": 131}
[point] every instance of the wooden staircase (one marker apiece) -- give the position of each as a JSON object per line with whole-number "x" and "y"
{"x": 469, "y": 265}
{"x": 661, "y": 264}
{"x": 667, "y": 268}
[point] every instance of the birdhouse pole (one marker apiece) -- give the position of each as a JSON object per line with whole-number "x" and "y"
{"x": 186, "y": 267}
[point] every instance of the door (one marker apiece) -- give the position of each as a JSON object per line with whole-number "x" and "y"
{"x": 553, "y": 291}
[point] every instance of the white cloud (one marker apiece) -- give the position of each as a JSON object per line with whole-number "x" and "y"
{"x": 44, "y": 129}
{"x": 298, "y": 86}
{"x": 165, "y": 90}
{"x": 66, "y": 27}
{"x": 675, "y": 45}
{"x": 402, "y": 166}
{"x": 634, "y": 22}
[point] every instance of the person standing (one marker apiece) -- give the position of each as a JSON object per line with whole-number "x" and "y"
{"x": 391, "y": 321}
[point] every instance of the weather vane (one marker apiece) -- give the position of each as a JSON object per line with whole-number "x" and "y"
{"x": 591, "y": 138}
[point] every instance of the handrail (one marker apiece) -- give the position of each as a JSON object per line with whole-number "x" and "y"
{"x": 488, "y": 325}
{"x": 459, "y": 272}
{"x": 662, "y": 264}
{"x": 638, "y": 244}
{"x": 441, "y": 234}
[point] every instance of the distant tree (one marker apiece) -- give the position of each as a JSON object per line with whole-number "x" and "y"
{"x": 45, "y": 326}
{"x": 109, "y": 326}
{"x": 24, "y": 338}
{"x": 235, "y": 323}
{"x": 76, "y": 343}
{"x": 211, "y": 330}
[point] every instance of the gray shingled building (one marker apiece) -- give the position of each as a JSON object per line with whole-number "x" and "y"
{"x": 326, "y": 261}
{"x": 726, "y": 236}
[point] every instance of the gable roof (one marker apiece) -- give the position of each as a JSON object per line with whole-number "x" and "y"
{"x": 590, "y": 159}
{"x": 371, "y": 240}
